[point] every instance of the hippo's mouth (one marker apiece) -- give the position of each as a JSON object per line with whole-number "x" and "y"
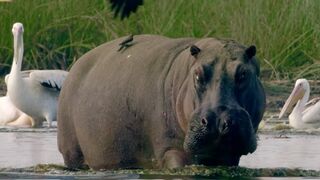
{"x": 220, "y": 137}
{"x": 225, "y": 150}
{"x": 222, "y": 155}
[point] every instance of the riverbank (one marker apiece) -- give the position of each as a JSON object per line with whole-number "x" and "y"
{"x": 57, "y": 171}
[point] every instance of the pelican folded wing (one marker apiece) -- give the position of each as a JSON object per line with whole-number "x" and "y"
{"x": 52, "y": 79}
{"x": 312, "y": 114}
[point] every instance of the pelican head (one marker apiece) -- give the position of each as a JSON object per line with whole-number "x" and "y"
{"x": 301, "y": 91}
{"x": 17, "y": 28}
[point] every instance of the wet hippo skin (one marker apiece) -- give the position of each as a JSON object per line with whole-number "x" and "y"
{"x": 162, "y": 103}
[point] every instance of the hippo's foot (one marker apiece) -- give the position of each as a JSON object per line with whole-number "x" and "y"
{"x": 73, "y": 158}
{"x": 73, "y": 163}
{"x": 174, "y": 159}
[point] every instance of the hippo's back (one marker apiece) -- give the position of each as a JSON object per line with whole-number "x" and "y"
{"x": 109, "y": 94}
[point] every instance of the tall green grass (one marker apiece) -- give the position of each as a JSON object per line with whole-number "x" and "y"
{"x": 56, "y": 32}
{"x": 286, "y": 32}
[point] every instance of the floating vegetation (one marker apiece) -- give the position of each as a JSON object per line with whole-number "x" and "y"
{"x": 281, "y": 127}
{"x": 188, "y": 171}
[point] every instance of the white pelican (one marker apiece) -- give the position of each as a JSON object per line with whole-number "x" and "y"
{"x": 33, "y": 92}
{"x": 305, "y": 114}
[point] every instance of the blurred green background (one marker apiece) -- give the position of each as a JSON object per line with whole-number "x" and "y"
{"x": 58, "y": 32}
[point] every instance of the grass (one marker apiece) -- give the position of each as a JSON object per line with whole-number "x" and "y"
{"x": 193, "y": 171}
{"x": 286, "y": 33}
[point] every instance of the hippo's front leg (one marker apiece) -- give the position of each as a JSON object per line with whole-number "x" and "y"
{"x": 174, "y": 159}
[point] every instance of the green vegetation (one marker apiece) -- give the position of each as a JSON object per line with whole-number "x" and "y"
{"x": 279, "y": 127}
{"x": 286, "y": 33}
{"x": 189, "y": 171}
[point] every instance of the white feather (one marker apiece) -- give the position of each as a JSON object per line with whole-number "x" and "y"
{"x": 8, "y": 112}
{"x": 34, "y": 92}
{"x": 305, "y": 114}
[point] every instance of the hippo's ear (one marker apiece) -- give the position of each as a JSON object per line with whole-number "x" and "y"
{"x": 250, "y": 52}
{"x": 194, "y": 50}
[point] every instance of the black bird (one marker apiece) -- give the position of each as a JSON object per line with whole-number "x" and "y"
{"x": 125, "y": 7}
{"x": 126, "y": 43}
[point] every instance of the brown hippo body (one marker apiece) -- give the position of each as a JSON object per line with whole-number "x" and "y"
{"x": 175, "y": 101}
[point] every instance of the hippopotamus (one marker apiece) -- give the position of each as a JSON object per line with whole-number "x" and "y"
{"x": 161, "y": 103}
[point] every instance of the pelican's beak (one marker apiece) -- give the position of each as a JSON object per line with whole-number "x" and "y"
{"x": 16, "y": 48}
{"x": 17, "y": 43}
{"x": 295, "y": 96}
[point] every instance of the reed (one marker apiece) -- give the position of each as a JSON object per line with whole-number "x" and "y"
{"x": 286, "y": 32}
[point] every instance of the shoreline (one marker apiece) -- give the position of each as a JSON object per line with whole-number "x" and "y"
{"x": 192, "y": 171}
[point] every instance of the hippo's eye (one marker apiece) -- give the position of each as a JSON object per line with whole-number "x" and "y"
{"x": 199, "y": 78}
{"x": 242, "y": 78}
{"x": 202, "y": 76}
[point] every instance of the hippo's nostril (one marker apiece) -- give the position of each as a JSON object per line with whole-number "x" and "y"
{"x": 229, "y": 122}
{"x": 204, "y": 121}
{"x": 225, "y": 128}
{"x": 226, "y": 124}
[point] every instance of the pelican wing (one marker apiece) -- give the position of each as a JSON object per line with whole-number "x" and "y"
{"x": 311, "y": 114}
{"x": 52, "y": 79}
{"x": 24, "y": 74}
{"x": 312, "y": 102}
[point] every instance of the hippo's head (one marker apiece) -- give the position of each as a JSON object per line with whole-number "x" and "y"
{"x": 223, "y": 103}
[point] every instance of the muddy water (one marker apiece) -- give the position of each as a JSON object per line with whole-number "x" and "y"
{"x": 21, "y": 149}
